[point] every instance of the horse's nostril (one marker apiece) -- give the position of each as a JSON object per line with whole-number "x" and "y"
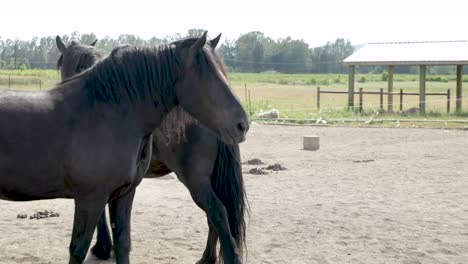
{"x": 242, "y": 127}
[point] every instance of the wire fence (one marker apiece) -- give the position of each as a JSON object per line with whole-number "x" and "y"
{"x": 381, "y": 94}
{"x": 311, "y": 104}
{"x": 376, "y": 107}
{"x": 27, "y": 82}
{"x": 441, "y": 103}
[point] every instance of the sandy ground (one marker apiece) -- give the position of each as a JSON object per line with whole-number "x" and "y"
{"x": 367, "y": 196}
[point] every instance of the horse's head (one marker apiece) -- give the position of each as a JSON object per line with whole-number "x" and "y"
{"x": 204, "y": 91}
{"x": 75, "y": 57}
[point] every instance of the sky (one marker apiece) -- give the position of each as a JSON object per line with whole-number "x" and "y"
{"x": 314, "y": 21}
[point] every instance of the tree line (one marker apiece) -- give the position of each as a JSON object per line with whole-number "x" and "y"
{"x": 255, "y": 52}
{"x": 251, "y": 52}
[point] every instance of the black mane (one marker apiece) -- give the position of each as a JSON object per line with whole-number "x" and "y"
{"x": 132, "y": 73}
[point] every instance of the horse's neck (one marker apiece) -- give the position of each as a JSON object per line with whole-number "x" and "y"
{"x": 145, "y": 113}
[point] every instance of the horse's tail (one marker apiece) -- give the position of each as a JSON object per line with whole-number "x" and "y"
{"x": 228, "y": 184}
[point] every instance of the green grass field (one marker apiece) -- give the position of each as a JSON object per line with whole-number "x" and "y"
{"x": 29, "y": 79}
{"x": 294, "y": 95}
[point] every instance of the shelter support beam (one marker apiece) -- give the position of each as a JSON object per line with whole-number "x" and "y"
{"x": 458, "y": 105}
{"x": 351, "y": 87}
{"x": 390, "y": 89}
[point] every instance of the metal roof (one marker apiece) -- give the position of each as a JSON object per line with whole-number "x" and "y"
{"x": 411, "y": 53}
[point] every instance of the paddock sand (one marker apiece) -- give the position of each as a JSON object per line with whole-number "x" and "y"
{"x": 369, "y": 195}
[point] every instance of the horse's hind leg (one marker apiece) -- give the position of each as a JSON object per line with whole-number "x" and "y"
{"x": 102, "y": 248}
{"x": 87, "y": 213}
{"x": 120, "y": 212}
{"x": 206, "y": 199}
{"x": 210, "y": 254}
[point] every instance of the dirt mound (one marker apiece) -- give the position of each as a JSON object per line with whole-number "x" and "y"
{"x": 39, "y": 215}
{"x": 275, "y": 167}
{"x": 363, "y": 161}
{"x": 257, "y": 171}
{"x": 254, "y": 162}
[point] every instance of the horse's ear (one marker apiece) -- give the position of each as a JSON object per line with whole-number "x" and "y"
{"x": 214, "y": 42}
{"x": 60, "y": 44}
{"x": 199, "y": 44}
{"x": 94, "y": 43}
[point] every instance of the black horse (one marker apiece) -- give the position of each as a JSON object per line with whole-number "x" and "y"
{"x": 210, "y": 169}
{"x": 90, "y": 138}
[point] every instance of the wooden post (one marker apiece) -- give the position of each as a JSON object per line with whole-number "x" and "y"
{"x": 458, "y": 105}
{"x": 448, "y": 101}
{"x": 318, "y": 98}
{"x": 401, "y": 100}
{"x": 250, "y": 107}
{"x": 422, "y": 89}
{"x": 40, "y": 85}
{"x": 351, "y": 87}
{"x": 245, "y": 92}
{"x": 9, "y": 80}
{"x": 381, "y": 100}
{"x": 360, "y": 100}
{"x": 390, "y": 89}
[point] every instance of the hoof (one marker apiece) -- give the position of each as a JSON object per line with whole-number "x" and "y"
{"x": 236, "y": 260}
{"x": 206, "y": 260}
{"x": 101, "y": 252}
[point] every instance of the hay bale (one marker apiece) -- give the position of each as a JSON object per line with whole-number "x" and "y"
{"x": 311, "y": 142}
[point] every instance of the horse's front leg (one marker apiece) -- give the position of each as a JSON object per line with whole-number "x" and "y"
{"x": 103, "y": 247}
{"x": 210, "y": 254}
{"x": 206, "y": 199}
{"x": 87, "y": 212}
{"x": 120, "y": 213}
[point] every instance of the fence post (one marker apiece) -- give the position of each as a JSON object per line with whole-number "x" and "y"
{"x": 250, "y": 107}
{"x": 9, "y": 80}
{"x": 245, "y": 92}
{"x": 381, "y": 99}
{"x": 40, "y": 84}
{"x": 360, "y": 100}
{"x": 448, "y": 101}
{"x": 318, "y": 98}
{"x": 401, "y": 100}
